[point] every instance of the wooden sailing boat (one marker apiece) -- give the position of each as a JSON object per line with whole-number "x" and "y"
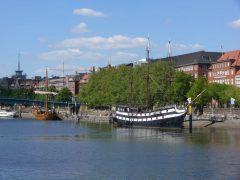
{"x": 46, "y": 114}
{"x": 161, "y": 117}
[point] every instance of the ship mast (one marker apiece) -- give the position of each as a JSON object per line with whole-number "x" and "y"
{"x": 46, "y": 100}
{"x": 147, "y": 75}
{"x": 130, "y": 90}
{"x": 170, "y": 72}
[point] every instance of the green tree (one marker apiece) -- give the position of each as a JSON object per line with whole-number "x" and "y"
{"x": 64, "y": 95}
{"x": 21, "y": 93}
{"x": 227, "y": 93}
{"x": 182, "y": 83}
{"x": 199, "y": 85}
{"x": 127, "y": 85}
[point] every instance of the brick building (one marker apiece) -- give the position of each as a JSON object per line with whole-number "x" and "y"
{"x": 196, "y": 63}
{"x": 73, "y": 83}
{"x": 226, "y": 70}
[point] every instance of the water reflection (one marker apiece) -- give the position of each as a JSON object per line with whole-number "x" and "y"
{"x": 153, "y": 135}
{"x": 66, "y": 150}
{"x": 148, "y": 135}
{"x": 84, "y": 131}
{"x": 214, "y": 136}
{"x": 106, "y": 132}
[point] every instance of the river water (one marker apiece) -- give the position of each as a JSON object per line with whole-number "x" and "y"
{"x": 31, "y": 149}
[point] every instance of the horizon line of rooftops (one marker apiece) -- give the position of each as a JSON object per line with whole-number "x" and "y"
{"x": 181, "y": 59}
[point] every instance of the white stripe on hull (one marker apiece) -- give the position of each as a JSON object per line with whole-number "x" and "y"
{"x": 169, "y": 117}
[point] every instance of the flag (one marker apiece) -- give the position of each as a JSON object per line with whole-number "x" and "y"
{"x": 232, "y": 101}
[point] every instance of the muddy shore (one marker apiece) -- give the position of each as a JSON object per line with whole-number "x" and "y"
{"x": 228, "y": 123}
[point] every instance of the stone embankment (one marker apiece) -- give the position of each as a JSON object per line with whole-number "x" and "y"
{"x": 89, "y": 116}
{"x": 64, "y": 113}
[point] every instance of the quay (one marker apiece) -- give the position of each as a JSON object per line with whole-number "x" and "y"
{"x": 226, "y": 119}
{"x": 219, "y": 118}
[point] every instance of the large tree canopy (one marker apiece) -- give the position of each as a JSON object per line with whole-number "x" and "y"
{"x": 127, "y": 85}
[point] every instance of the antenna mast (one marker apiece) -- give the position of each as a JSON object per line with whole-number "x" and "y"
{"x": 169, "y": 49}
{"x": 221, "y": 49}
{"x": 19, "y": 55}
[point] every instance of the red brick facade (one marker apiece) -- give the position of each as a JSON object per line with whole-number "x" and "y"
{"x": 226, "y": 70}
{"x": 196, "y": 70}
{"x": 197, "y": 63}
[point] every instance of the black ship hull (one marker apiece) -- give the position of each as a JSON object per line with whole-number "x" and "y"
{"x": 168, "y": 117}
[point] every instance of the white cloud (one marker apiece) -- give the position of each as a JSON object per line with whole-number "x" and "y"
{"x": 185, "y": 46}
{"x": 92, "y": 56}
{"x": 235, "y": 24}
{"x": 70, "y": 54}
{"x": 197, "y": 46}
{"x": 42, "y": 39}
{"x": 179, "y": 46}
{"x": 123, "y": 56}
{"x": 39, "y": 72}
{"x": 88, "y": 12}
{"x": 70, "y": 68}
{"x": 61, "y": 54}
{"x": 57, "y": 70}
{"x": 97, "y": 42}
{"x": 80, "y": 28}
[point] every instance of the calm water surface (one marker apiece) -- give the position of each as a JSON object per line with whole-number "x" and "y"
{"x": 31, "y": 149}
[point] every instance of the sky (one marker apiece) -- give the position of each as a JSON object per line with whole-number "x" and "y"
{"x": 80, "y": 34}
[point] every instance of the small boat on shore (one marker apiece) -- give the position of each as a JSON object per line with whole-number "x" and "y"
{"x": 47, "y": 113}
{"x": 7, "y": 113}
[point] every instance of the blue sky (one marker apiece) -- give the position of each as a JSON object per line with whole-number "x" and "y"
{"x": 86, "y": 33}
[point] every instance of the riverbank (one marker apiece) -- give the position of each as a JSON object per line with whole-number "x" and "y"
{"x": 232, "y": 120}
{"x": 228, "y": 123}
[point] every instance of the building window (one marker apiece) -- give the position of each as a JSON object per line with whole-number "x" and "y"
{"x": 237, "y": 81}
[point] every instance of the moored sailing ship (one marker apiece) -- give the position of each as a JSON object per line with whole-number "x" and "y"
{"x": 162, "y": 117}
{"x": 169, "y": 116}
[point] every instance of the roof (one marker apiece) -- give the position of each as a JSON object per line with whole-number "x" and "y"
{"x": 236, "y": 63}
{"x": 199, "y": 57}
{"x": 238, "y": 72}
{"x": 231, "y": 55}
